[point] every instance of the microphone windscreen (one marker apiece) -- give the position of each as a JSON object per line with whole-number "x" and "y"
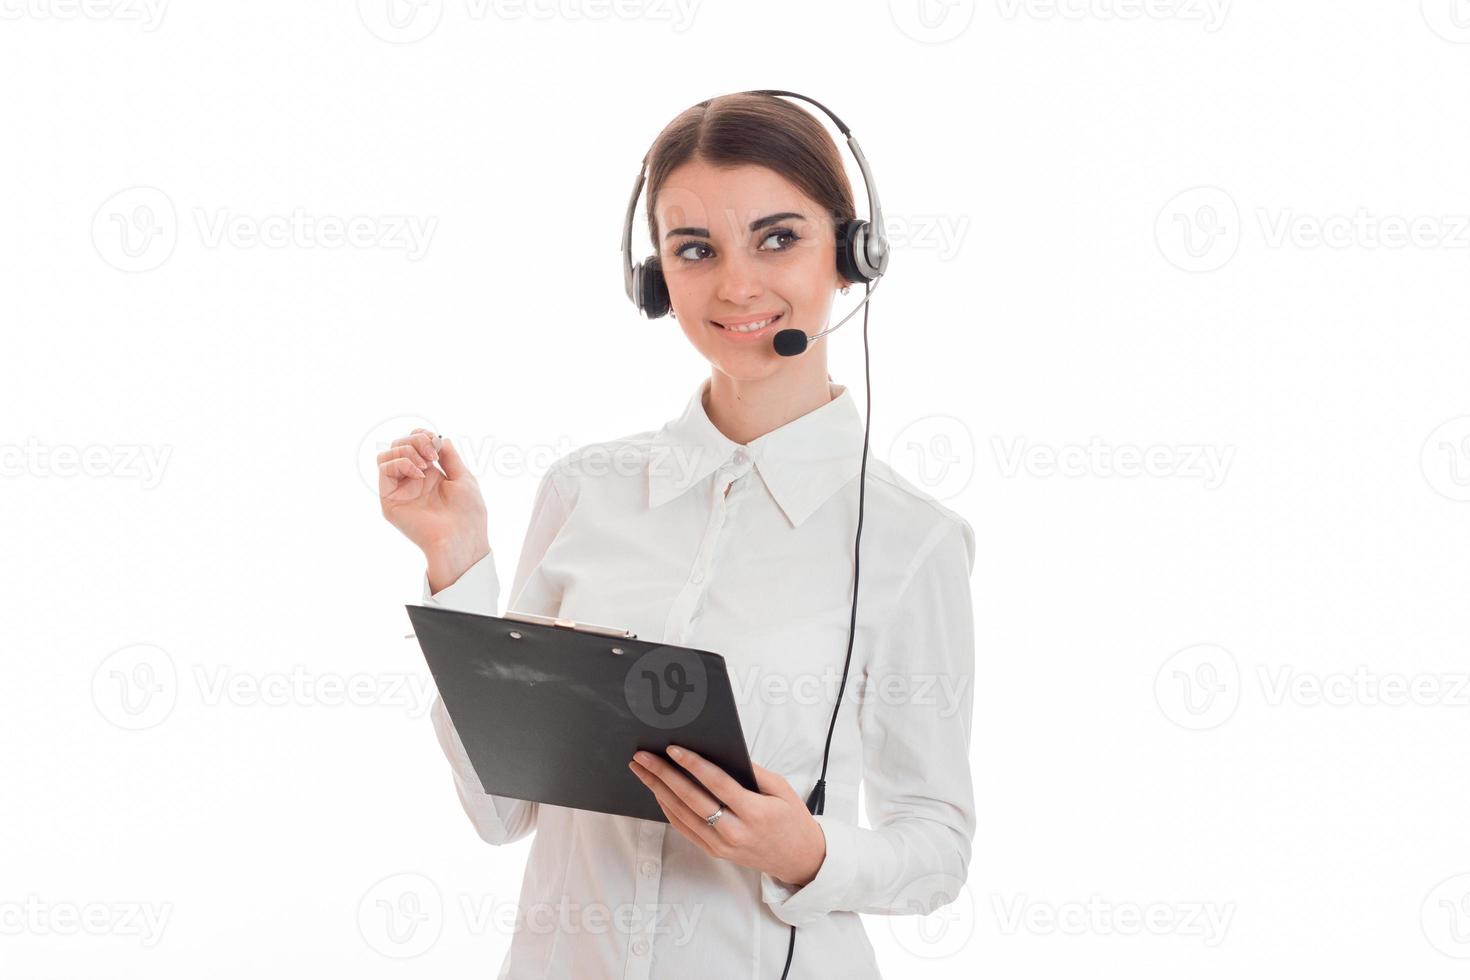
{"x": 789, "y": 342}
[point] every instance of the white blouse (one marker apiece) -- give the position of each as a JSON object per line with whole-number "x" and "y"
{"x": 668, "y": 534}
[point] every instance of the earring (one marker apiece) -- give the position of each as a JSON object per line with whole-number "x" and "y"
{"x": 845, "y": 289}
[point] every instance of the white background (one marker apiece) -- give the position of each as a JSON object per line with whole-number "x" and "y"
{"x": 1227, "y": 698}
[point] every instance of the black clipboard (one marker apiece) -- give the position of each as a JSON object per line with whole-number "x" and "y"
{"x": 551, "y": 710}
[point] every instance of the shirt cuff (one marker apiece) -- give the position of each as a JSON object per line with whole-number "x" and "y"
{"x": 477, "y": 590}
{"x": 828, "y": 891}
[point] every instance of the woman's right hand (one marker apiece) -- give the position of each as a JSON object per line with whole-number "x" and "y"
{"x": 440, "y": 511}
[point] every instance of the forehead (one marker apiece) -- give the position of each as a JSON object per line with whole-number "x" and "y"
{"x": 726, "y": 199}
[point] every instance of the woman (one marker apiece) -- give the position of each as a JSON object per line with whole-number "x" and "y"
{"x": 729, "y": 529}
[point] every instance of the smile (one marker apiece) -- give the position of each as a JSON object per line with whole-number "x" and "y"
{"x": 755, "y": 326}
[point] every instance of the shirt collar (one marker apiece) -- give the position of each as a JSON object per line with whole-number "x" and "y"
{"x": 802, "y": 462}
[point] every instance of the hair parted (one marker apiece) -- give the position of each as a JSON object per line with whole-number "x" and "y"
{"x": 765, "y": 130}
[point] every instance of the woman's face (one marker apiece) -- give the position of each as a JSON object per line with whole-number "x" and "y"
{"x": 741, "y": 244}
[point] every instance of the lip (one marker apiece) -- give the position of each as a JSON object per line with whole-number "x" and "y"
{"x": 736, "y": 321}
{"x": 750, "y": 335}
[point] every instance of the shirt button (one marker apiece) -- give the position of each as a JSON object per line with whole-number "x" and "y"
{"x": 649, "y": 868}
{"x": 640, "y": 947}
{"x": 697, "y": 577}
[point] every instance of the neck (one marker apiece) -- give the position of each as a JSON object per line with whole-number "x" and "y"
{"x": 744, "y": 410}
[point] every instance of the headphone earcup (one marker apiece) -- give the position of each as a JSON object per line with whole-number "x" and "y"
{"x": 852, "y": 239}
{"x": 653, "y": 291}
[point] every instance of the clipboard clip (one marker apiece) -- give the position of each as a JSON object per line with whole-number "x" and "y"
{"x": 535, "y": 620}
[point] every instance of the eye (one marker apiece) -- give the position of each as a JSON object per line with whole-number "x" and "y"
{"x": 783, "y": 233}
{"x": 679, "y": 251}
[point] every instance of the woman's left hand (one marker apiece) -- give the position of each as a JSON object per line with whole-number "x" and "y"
{"x": 771, "y": 831}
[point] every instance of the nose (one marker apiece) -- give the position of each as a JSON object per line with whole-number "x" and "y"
{"x": 739, "y": 280}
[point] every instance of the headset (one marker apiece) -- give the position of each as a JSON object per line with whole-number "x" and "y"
{"x": 862, "y": 256}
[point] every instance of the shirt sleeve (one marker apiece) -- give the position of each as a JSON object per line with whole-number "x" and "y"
{"x": 915, "y": 719}
{"x": 499, "y": 819}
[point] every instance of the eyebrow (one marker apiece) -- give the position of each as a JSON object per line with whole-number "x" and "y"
{"x": 756, "y": 225}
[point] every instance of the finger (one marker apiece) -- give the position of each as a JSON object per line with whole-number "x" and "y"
{"x": 678, "y": 811}
{"x": 774, "y": 784}
{"x": 421, "y": 439}
{"x": 453, "y": 462}
{"x": 696, "y": 830}
{"x": 713, "y": 778}
{"x": 682, "y": 786}
{"x": 399, "y": 479}
{"x": 407, "y": 451}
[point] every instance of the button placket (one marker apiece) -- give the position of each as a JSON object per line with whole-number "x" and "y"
{"x": 645, "y": 896}
{"x": 685, "y": 605}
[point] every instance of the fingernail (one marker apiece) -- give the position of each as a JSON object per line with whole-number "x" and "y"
{"x": 676, "y": 752}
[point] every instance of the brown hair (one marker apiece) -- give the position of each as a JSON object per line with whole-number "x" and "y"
{"x": 765, "y": 130}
